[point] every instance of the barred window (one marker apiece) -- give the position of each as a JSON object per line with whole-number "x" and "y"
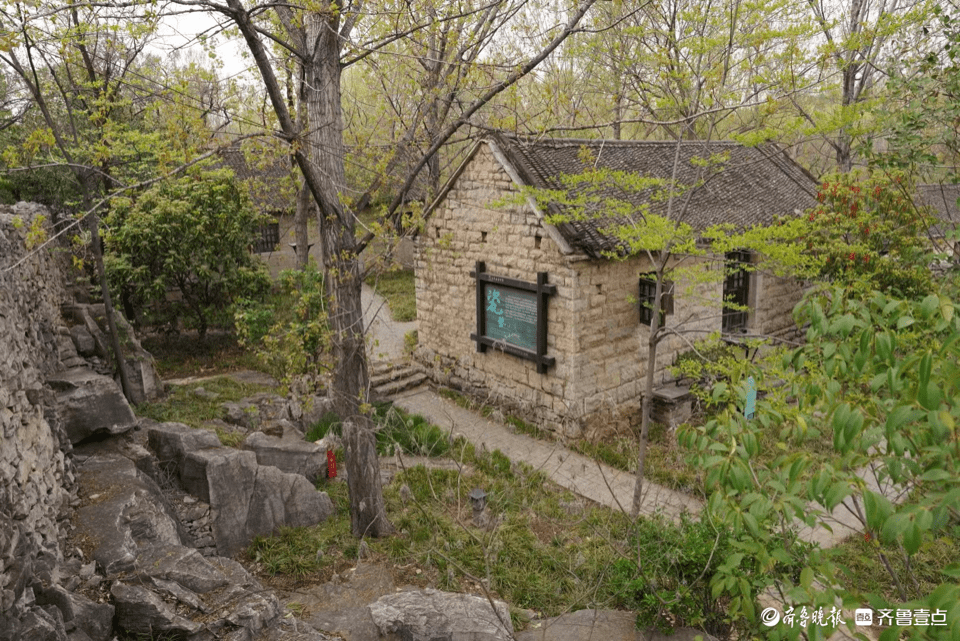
{"x": 648, "y": 292}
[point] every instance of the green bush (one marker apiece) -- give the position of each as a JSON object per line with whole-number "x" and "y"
{"x": 396, "y": 430}
{"x": 670, "y": 586}
{"x": 288, "y": 330}
{"x": 189, "y": 235}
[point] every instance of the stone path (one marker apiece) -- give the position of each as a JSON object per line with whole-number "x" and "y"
{"x": 577, "y": 473}
{"x": 385, "y": 335}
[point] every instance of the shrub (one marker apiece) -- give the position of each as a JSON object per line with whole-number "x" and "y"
{"x": 670, "y": 585}
{"x": 191, "y": 235}
{"x": 288, "y": 331}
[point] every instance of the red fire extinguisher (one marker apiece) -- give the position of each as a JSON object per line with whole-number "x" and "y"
{"x": 331, "y": 465}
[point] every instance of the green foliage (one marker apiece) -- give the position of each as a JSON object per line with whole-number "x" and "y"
{"x": 182, "y": 405}
{"x": 710, "y": 362}
{"x": 881, "y": 376}
{"x": 399, "y": 288}
{"x": 190, "y": 235}
{"x": 288, "y": 330}
{"x": 410, "y": 341}
{"x": 396, "y": 430}
{"x": 670, "y": 586}
{"x": 926, "y": 91}
{"x": 871, "y": 235}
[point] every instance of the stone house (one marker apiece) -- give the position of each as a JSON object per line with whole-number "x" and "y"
{"x": 535, "y": 317}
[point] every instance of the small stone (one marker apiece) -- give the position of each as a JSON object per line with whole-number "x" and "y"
{"x": 72, "y": 583}
{"x": 88, "y": 570}
{"x": 93, "y": 582}
{"x": 320, "y": 555}
{"x": 190, "y": 500}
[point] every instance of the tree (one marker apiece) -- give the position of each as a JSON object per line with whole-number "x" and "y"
{"x": 317, "y": 37}
{"x": 861, "y": 39}
{"x": 74, "y": 66}
{"x": 678, "y": 254}
{"x": 863, "y": 417}
{"x": 192, "y": 234}
{"x": 871, "y": 234}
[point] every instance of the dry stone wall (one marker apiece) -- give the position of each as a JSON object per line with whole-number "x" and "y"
{"x": 469, "y": 227}
{"x": 35, "y": 479}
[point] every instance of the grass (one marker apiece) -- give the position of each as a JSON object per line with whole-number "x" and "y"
{"x": 862, "y": 567}
{"x": 398, "y": 287}
{"x": 181, "y": 355}
{"x": 396, "y": 430}
{"x": 549, "y": 551}
{"x": 182, "y": 405}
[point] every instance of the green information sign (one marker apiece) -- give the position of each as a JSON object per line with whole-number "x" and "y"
{"x": 511, "y": 316}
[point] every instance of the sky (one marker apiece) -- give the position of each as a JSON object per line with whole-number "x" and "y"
{"x": 180, "y": 33}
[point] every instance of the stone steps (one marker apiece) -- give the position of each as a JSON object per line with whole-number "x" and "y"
{"x": 389, "y": 379}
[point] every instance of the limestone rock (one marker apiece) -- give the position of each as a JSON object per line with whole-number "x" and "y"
{"x": 312, "y": 409}
{"x": 83, "y": 340}
{"x": 127, "y": 511}
{"x": 140, "y": 611}
{"x": 258, "y": 412}
{"x": 40, "y": 624}
{"x": 91, "y": 404}
{"x": 608, "y": 625}
{"x": 171, "y": 441}
{"x": 94, "y": 619}
{"x": 289, "y": 455}
{"x": 247, "y": 499}
{"x": 138, "y": 362}
{"x": 180, "y": 564}
{"x": 432, "y": 615}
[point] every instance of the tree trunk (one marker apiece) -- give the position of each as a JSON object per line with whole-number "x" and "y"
{"x": 351, "y": 378}
{"x": 304, "y": 201}
{"x": 93, "y": 220}
{"x": 646, "y": 407}
{"x": 302, "y": 238}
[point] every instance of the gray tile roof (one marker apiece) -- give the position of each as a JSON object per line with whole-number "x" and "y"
{"x": 752, "y": 186}
{"x": 943, "y": 200}
{"x": 268, "y": 183}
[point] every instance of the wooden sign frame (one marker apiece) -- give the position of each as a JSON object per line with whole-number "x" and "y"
{"x": 542, "y": 290}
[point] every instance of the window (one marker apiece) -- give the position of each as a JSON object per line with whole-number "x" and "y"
{"x": 648, "y": 292}
{"x": 269, "y": 238}
{"x": 736, "y": 292}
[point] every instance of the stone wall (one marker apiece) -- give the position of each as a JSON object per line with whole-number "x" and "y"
{"x": 467, "y": 228}
{"x": 776, "y": 298}
{"x": 35, "y": 479}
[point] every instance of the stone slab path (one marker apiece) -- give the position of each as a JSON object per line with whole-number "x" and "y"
{"x": 384, "y": 335}
{"x": 579, "y": 474}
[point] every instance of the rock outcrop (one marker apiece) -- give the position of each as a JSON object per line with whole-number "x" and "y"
{"x": 90, "y": 404}
{"x": 246, "y": 498}
{"x": 289, "y": 455}
{"x": 432, "y": 615}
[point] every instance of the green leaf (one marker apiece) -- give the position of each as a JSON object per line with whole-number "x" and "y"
{"x": 837, "y": 492}
{"x": 952, "y": 570}
{"x": 936, "y": 475}
{"x": 895, "y": 526}
{"x": 878, "y": 509}
{"x": 912, "y": 538}
{"x": 904, "y": 322}
{"x": 929, "y": 305}
{"x": 806, "y": 577}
